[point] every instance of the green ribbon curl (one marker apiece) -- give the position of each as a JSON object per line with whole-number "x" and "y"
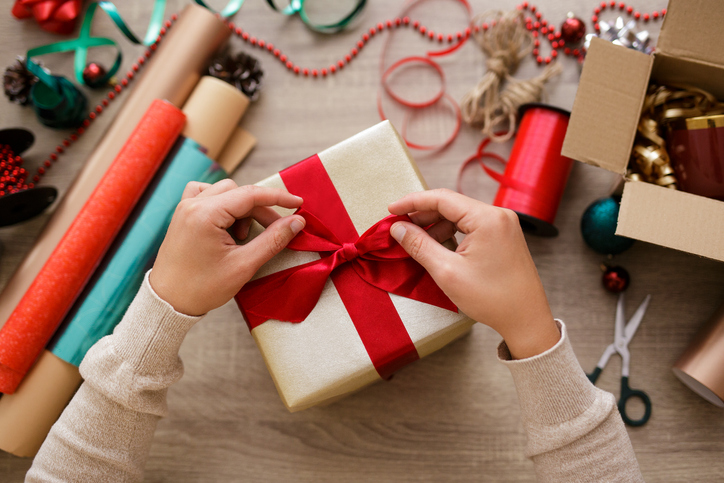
{"x": 297, "y": 7}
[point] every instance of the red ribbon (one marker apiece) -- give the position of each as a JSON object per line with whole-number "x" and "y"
{"x": 363, "y": 268}
{"x": 56, "y": 16}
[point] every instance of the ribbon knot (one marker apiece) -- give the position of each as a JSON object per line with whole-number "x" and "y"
{"x": 349, "y": 251}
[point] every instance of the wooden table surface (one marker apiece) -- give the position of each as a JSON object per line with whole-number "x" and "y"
{"x": 453, "y": 416}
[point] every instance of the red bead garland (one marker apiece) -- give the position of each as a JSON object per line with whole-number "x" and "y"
{"x": 622, "y": 7}
{"x": 347, "y": 59}
{"x": 541, "y": 27}
{"x": 12, "y": 173}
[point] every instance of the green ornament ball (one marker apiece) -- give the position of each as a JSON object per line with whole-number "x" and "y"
{"x": 598, "y": 227}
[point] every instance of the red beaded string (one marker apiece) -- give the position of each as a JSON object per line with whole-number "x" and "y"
{"x": 12, "y": 173}
{"x": 629, "y": 10}
{"x": 542, "y": 28}
{"x": 334, "y": 67}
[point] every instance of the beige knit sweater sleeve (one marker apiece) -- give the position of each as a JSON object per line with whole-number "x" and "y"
{"x": 575, "y": 433}
{"x": 105, "y": 433}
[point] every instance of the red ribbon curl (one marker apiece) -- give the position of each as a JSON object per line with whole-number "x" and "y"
{"x": 365, "y": 270}
{"x": 56, "y": 16}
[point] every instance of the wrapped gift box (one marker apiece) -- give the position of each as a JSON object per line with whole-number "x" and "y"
{"x": 330, "y": 354}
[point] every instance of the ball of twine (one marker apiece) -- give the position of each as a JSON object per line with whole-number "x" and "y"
{"x": 505, "y": 43}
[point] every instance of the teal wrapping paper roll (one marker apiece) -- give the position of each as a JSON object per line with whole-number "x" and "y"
{"x": 107, "y": 301}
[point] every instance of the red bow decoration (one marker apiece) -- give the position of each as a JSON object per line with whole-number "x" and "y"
{"x": 56, "y": 16}
{"x": 363, "y": 268}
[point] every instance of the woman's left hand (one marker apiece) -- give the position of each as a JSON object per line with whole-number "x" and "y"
{"x": 199, "y": 266}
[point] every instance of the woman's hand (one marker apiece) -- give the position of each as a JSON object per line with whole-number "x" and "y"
{"x": 491, "y": 276}
{"x": 199, "y": 266}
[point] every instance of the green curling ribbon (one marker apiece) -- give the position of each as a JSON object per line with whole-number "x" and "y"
{"x": 58, "y": 103}
{"x": 154, "y": 25}
{"x": 297, "y": 7}
{"x": 230, "y": 9}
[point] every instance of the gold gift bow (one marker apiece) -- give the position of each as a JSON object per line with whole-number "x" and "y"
{"x": 663, "y": 105}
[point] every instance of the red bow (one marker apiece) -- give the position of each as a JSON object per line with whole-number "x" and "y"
{"x": 57, "y": 16}
{"x": 363, "y": 268}
{"x": 376, "y": 258}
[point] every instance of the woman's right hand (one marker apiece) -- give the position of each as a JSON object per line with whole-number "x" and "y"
{"x": 491, "y": 276}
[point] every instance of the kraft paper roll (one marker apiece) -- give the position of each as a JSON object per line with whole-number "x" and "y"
{"x": 213, "y": 111}
{"x": 27, "y": 416}
{"x": 236, "y": 150}
{"x": 701, "y": 367}
{"x": 60, "y": 281}
{"x": 171, "y": 74}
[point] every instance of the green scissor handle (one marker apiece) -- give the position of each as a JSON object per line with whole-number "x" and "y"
{"x": 593, "y": 377}
{"x": 628, "y": 393}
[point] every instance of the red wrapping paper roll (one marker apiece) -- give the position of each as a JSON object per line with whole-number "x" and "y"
{"x": 60, "y": 281}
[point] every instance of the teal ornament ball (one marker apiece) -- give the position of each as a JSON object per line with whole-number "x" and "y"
{"x": 598, "y": 227}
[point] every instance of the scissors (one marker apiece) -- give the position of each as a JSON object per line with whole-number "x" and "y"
{"x": 622, "y": 337}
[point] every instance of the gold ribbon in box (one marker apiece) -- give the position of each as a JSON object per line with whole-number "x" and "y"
{"x": 359, "y": 331}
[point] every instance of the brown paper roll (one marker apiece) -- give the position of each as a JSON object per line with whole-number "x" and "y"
{"x": 701, "y": 366}
{"x": 171, "y": 74}
{"x": 237, "y": 148}
{"x": 213, "y": 111}
{"x": 27, "y": 416}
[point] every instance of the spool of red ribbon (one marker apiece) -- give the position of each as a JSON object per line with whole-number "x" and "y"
{"x": 536, "y": 173}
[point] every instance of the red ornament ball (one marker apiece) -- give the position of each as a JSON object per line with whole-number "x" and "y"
{"x": 616, "y": 279}
{"x": 573, "y": 29}
{"x": 93, "y": 74}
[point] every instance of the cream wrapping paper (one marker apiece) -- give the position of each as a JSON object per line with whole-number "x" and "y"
{"x": 323, "y": 359}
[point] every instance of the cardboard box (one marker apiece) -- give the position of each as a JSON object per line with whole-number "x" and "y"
{"x": 606, "y": 113}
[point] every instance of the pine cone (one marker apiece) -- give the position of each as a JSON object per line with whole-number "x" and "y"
{"x": 17, "y": 82}
{"x": 240, "y": 70}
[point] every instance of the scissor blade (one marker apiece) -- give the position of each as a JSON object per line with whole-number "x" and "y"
{"x": 610, "y": 350}
{"x": 620, "y": 320}
{"x": 635, "y": 321}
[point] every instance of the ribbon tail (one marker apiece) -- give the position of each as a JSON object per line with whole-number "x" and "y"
{"x": 405, "y": 278}
{"x": 289, "y": 295}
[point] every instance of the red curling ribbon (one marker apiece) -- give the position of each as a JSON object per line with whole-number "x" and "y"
{"x": 363, "y": 269}
{"x": 56, "y": 16}
{"x": 439, "y": 96}
{"x": 536, "y": 174}
{"x": 405, "y": 102}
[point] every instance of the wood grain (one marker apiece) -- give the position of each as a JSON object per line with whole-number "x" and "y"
{"x": 453, "y": 416}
